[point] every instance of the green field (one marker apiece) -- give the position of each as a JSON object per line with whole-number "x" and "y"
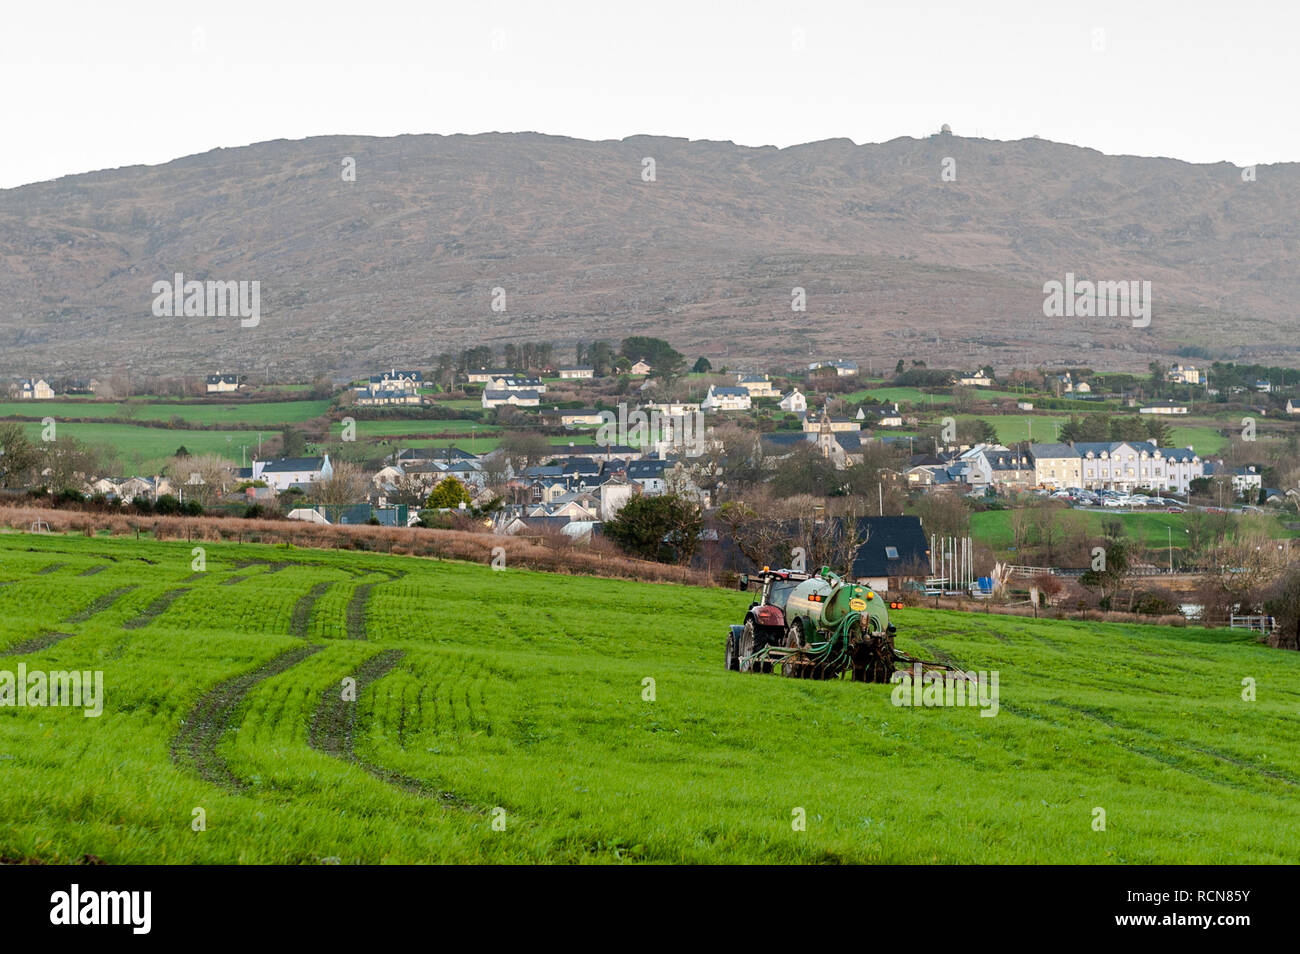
{"x": 1201, "y": 438}
{"x": 145, "y": 450}
{"x": 521, "y": 698}
{"x": 1014, "y": 428}
{"x": 374, "y": 429}
{"x": 1151, "y": 530}
{"x": 266, "y": 414}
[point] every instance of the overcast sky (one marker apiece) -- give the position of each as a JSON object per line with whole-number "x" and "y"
{"x": 93, "y": 85}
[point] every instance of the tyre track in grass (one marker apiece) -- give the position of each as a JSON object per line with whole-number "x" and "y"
{"x": 356, "y": 615}
{"x": 333, "y": 732}
{"x": 156, "y": 608}
{"x": 35, "y": 644}
{"x": 100, "y": 603}
{"x": 300, "y": 620}
{"x": 356, "y": 612}
{"x": 195, "y": 745}
{"x": 1173, "y": 760}
{"x": 93, "y": 570}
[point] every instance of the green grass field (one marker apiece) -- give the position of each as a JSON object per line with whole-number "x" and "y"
{"x": 266, "y": 414}
{"x": 1202, "y": 438}
{"x": 374, "y": 429}
{"x": 1151, "y": 530}
{"x": 506, "y": 716}
{"x": 145, "y": 450}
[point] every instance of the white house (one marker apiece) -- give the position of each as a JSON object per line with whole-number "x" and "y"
{"x": 283, "y": 472}
{"x": 843, "y": 369}
{"x": 640, "y": 367}
{"x": 577, "y": 373}
{"x": 495, "y": 398}
{"x": 884, "y": 415}
{"x": 726, "y": 399}
{"x": 1247, "y": 480}
{"x": 1066, "y": 384}
{"x": 1185, "y": 374}
{"x": 1163, "y": 407}
{"x": 222, "y": 383}
{"x": 516, "y": 382}
{"x": 976, "y": 380}
{"x": 484, "y": 375}
{"x": 794, "y": 402}
{"x": 391, "y": 387}
{"x": 614, "y": 493}
{"x": 757, "y": 385}
{"x": 1125, "y": 466}
{"x": 37, "y": 390}
{"x": 574, "y": 417}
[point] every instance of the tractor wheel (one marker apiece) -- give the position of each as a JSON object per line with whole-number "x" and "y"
{"x": 733, "y": 662}
{"x": 747, "y": 647}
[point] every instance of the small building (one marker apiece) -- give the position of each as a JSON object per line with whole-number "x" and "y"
{"x": 896, "y": 550}
{"x": 976, "y": 379}
{"x": 1185, "y": 374}
{"x": 284, "y": 472}
{"x": 391, "y": 387}
{"x": 726, "y": 399}
{"x": 640, "y": 367}
{"x": 1163, "y": 407}
{"x": 577, "y": 373}
{"x": 795, "y": 402}
{"x": 34, "y": 390}
{"x": 223, "y": 383}
{"x": 757, "y": 385}
{"x": 573, "y": 417}
{"x": 484, "y": 375}
{"x": 843, "y": 369}
{"x": 516, "y": 382}
{"x": 497, "y": 398}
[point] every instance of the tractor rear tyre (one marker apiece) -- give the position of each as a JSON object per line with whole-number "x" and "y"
{"x": 747, "y": 647}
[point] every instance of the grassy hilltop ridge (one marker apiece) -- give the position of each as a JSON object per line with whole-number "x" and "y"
{"x": 482, "y": 691}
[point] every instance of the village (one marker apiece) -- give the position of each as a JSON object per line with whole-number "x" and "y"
{"x": 919, "y": 463}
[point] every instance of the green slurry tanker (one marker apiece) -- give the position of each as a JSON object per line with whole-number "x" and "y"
{"x": 816, "y": 626}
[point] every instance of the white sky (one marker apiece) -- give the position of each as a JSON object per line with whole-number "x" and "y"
{"x": 93, "y": 85}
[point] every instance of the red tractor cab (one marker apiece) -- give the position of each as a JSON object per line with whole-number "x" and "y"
{"x": 765, "y": 622}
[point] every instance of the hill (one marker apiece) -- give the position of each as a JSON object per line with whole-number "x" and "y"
{"x": 401, "y": 263}
{"x": 521, "y": 699}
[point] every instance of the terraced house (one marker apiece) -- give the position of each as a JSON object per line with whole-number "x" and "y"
{"x": 1056, "y": 465}
{"x": 1116, "y": 465}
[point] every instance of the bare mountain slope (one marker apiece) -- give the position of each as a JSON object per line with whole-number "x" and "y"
{"x": 401, "y": 263}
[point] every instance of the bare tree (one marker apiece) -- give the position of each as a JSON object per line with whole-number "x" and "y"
{"x": 202, "y": 477}
{"x": 346, "y": 485}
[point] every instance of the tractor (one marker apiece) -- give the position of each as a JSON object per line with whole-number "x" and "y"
{"x": 814, "y": 626}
